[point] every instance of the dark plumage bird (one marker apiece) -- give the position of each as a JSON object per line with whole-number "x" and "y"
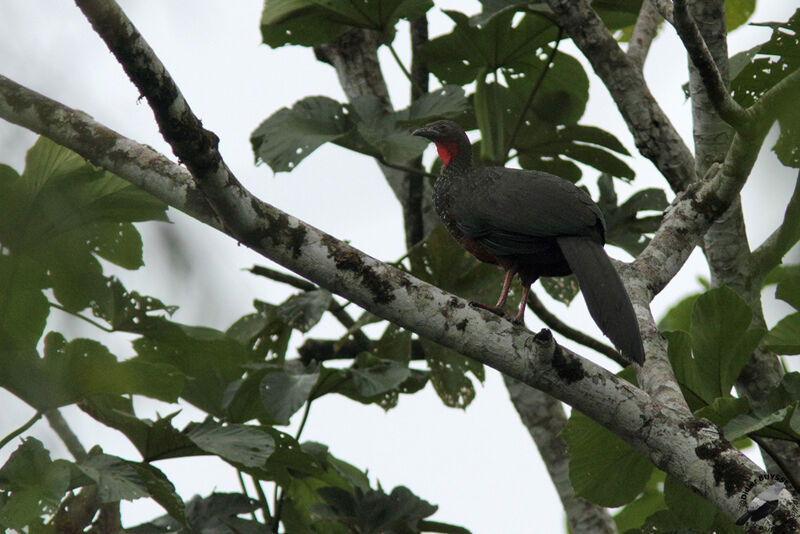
{"x": 531, "y": 224}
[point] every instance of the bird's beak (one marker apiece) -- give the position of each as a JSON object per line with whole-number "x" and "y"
{"x": 422, "y": 132}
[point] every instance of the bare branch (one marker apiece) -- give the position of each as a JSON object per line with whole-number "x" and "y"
{"x": 653, "y": 132}
{"x": 718, "y": 94}
{"x": 68, "y": 437}
{"x": 643, "y": 33}
{"x": 684, "y": 447}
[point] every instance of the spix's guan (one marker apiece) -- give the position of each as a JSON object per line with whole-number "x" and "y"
{"x": 531, "y": 224}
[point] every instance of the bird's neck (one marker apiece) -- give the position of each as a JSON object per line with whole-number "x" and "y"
{"x": 457, "y": 158}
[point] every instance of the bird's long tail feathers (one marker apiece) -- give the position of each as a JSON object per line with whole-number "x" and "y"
{"x": 605, "y": 296}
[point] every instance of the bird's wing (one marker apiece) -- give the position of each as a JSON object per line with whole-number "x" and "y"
{"x": 511, "y": 211}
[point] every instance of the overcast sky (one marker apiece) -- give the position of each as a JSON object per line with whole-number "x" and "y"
{"x": 479, "y": 465}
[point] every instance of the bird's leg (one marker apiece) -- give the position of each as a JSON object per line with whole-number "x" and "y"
{"x": 500, "y": 307}
{"x": 520, "y": 317}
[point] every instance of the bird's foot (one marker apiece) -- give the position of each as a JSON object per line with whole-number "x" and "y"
{"x": 494, "y": 309}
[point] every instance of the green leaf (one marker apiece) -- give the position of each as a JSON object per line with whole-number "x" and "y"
{"x": 737, "y": 12}
{"x": 315, "y": 22}
{"x": 624, "y": 227}
{"x": 373, "y": 376}
{"x": 449, "y": 101}
{"x": 31, "y": 485}
{"x": 284, "y": 392}
{"x": 784, "y": 338}
{"x": 161, "y": 490}
{"x": 695, "y": 511}
{"x": 458, "y": 57}
{"x": 379, "y": 129}
{"x": 303, "y": 310}
{"x": 374, "y": 511}
{"x": 789, "y": 291}
{"x": 289, "y": 135}
{"x": 721, "y": 340}
{"x": 73, "y": 371}
{"x": 155, "y": 440}
{"x": 208, "y": 358}
{"x": 449, "y": 374}
{"x": 239, "y": 444}
{"x": 217, "y": 513}
{"x": 723, "y": 409}
{"x": 679, "y": 317}
{"x": 777, "y": 58}
{"x": 23, "y": 306}
{"x": 116, "y": 479}
{"x": 634, "y": 514}
{"x": 602, "y": 467}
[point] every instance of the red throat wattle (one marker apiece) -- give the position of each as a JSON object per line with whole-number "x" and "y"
{"x": 448, "y": 149}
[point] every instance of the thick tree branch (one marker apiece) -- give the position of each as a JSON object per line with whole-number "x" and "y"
{"x": 544, "y": 418}
{"x": 652, "y": 130}
{"x": 693, "y": 451}
{"x": 643, "y": 32}
{"x": 716, "y": 85}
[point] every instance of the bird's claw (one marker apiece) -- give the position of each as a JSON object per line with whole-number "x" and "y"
{"x": 494, "y": 309}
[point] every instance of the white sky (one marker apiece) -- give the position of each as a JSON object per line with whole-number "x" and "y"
{"x": 479, "y": 465}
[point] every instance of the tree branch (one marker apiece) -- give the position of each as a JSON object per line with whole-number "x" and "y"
{"x": 68, "y": 437}
{"x": 544, "y": 418}
{"x": 654, "y": 134}
{"x": 643, "y": 32}
{"x": 718, "y": 94}
{"x": 682, "y": 446}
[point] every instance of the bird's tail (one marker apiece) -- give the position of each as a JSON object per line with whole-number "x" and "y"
{"x": 605, "y": 296}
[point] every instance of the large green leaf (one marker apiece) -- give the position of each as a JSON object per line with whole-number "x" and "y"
{"x": 217, "y": 513}
{"x": 23, "y": 306}
{"x": 788, "y": 290}
{"x": 602, "y": 467}
{"x": 116, "y": 479}
{"x": 303, "y": 310}
{"x": 286, "y": 391}
{"x": 374, "y": 511}
{"x": 625, "y": 227}
{"x": 634, "y": 514}
{"x": 737, "y": 12}
{"x": 81, "y": 368}
{"x": 31, "y": 485}
{"x": 460, "y": 56}
{"x": 239, "y": 444}
{"x": 210, "y": 359}
{"x": 784, "y": 338}
{"x": 776, "y": 59}
{"x": 315, "y": 22}
{"x": 155, "y": 440}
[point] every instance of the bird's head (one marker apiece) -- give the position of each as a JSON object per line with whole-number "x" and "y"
{"x": 449, "y": 138}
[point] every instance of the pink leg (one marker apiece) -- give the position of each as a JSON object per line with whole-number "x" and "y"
{"x": 520, "y": 317}
{"x": 501, "y": 302}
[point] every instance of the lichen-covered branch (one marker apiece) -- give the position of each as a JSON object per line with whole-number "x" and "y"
{"x": 643, "y": 32}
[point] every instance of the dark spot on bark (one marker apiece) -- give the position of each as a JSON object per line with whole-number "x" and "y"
{"x": 543, "y": 336}
{"x": 569, "y": 369}
{"x": 462, "y": 325}
{"x": 280, "y": 232}
{"x": 783, "y": 522}
{"x": 695, "y": 426}
{"x": 727, "y": 471}
{"x": 348, "y": 259}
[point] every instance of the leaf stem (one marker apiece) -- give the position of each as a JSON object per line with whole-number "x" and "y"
{"x": 403, "y": 68}
{"x": 79, "y": 316}
{"x": 29, "y": 423}
{"x": 534, "y": 91}
{"x": 262, "y": 498}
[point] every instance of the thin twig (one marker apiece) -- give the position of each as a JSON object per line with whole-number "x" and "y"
{"x": 29, "y": 423}
{"x": 83, "y": 318}
{"x": 559, "y": 326}
{"x": 534, "y": 91}
{"x": 336, "y": 309}
{"x": 68, "y": 437}
{"x": 403, "y": 68}
{"x": 246, "y": 493}
{"x": 262, "y": 498}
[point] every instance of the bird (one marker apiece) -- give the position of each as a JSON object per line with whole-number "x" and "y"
{"x": 531, "y": 224}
